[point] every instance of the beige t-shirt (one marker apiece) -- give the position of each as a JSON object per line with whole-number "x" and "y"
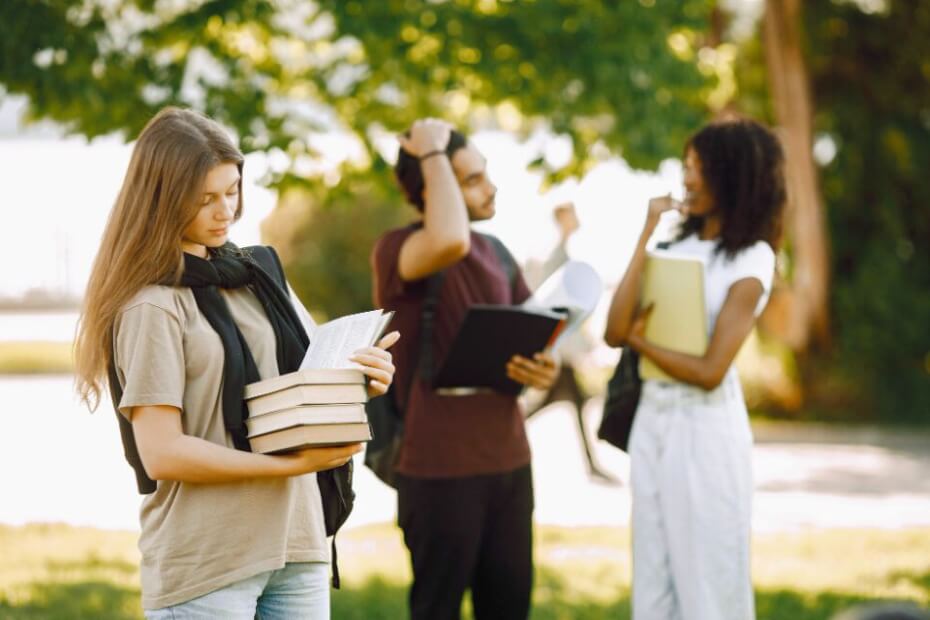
{"x": 197, "y": 538}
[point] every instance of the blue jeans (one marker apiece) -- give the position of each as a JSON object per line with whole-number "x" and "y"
{"x": 300, "y": 590}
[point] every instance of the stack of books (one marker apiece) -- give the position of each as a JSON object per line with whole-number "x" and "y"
{"x": 322, "y": 403}
{"x": 307, "y": 408}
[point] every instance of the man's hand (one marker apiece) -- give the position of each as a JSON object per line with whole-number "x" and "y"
{"x": 540, "y": 372}
{"x": 567, "y": 219}
{"x": 425, "y": 136}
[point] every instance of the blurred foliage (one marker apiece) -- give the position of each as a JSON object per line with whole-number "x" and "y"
{"x": 327, "y": 253}
{"x": 871, "y": 81}
{"x": 630, "y": 78}
{"x": 634, "y": 77}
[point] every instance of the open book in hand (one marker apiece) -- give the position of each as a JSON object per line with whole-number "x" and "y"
{"x": 489, "y": 337}
{"x": 576, "y": 288}
{"x": 296, "y": 409}
{"x": 333, "y": 343}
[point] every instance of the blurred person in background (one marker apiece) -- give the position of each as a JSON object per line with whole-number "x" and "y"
{"x": 572, "y": 350}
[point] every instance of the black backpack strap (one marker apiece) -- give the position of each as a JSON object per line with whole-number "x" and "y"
{"x": 508, "y": 262}
{"x": 423, "y": 362}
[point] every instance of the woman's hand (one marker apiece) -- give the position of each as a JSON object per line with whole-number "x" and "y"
{"x": 540, "y": 372}
{"x": 658, "y": 206}
{"x": 376, "y": 363}
{"x": 311, "y": 460}
{"x": 425, "y": 136}
{"x": 638, "y": 327}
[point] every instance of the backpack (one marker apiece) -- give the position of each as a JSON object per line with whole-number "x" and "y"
{"x": 384, "y": 413}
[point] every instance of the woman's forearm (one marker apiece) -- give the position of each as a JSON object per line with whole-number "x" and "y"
{"x": 626, "y": 297}
{"x": 169, "y": 454}
{"x": 190, "y": 459}
{"x": 691, "y": 369}
{"x": 733, "y": 326}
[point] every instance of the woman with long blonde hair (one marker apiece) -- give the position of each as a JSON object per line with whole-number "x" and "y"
{"x": 176, "y": 320}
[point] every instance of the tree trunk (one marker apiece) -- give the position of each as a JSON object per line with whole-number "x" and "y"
{"x": 799, "y": 311}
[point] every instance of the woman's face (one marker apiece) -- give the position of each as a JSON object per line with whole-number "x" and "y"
{"x": 217, "y": 209}
{"x": 698, "y": 198}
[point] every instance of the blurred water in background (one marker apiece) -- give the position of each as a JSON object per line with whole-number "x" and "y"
{"x": 30, "y": 326}
{"x": 60, "y": 463}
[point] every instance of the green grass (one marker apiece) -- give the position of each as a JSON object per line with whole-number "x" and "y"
{"x": 60, "y": 572}
{"x": 36, "y": 357}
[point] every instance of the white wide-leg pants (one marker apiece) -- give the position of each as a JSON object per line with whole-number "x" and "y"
{"x": 691, "y": 467}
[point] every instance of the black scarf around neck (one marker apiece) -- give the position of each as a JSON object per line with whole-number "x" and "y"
{"x": 230, "y": 268}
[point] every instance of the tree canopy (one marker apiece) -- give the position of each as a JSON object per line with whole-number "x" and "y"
{"x": 616, "y": 78}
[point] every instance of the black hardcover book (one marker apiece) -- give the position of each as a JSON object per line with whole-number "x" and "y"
{"x": 490, "y": 335}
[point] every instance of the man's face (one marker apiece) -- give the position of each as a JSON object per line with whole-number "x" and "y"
{"x": 471, "y": 171}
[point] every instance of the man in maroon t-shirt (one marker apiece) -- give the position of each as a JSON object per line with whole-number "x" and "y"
{"x": 464, "y": 485}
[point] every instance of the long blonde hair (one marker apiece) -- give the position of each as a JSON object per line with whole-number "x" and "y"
{"x": 141, "y": 244}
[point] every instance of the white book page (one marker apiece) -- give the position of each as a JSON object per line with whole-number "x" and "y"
{"x": 575, "y": 287}
{"x": 334, "y": 342}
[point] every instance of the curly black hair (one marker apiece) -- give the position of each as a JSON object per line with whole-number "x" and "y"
{"x": 742, "y": 165}
{"x": 410, "y": 176}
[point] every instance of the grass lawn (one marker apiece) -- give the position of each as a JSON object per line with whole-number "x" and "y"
{"x": 61, "y": 572}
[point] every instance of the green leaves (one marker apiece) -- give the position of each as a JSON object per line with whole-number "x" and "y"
{"x": 625, "y": 75}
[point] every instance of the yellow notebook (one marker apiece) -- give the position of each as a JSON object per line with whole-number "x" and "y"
{"x": 675, "y": 283}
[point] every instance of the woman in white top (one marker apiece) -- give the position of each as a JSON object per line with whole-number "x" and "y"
{"x": 690, "y": 447}
{"x": 180, "y": 319}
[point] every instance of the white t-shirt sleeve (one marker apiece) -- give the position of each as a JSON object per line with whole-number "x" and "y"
{"x": 756, "y": 262}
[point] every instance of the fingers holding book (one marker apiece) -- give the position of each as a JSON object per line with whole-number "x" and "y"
{"x": 320, "y": 459}
{"x": 389, "y": 340}
{"x": 539, "y": 372}
{"x": 377, "y": 364}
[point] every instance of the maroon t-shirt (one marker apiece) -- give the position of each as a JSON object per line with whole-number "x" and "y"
{"x": 449, "y": 436}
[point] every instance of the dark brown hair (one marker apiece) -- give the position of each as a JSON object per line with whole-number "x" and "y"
{"x": 410, "y": 176}
{"x": 742, "y": 165}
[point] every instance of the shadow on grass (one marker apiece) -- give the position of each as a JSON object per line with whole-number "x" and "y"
{"x": 378, "y": 599}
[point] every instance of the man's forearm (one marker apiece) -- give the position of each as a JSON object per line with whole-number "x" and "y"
{"x": 445, "y": 218}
